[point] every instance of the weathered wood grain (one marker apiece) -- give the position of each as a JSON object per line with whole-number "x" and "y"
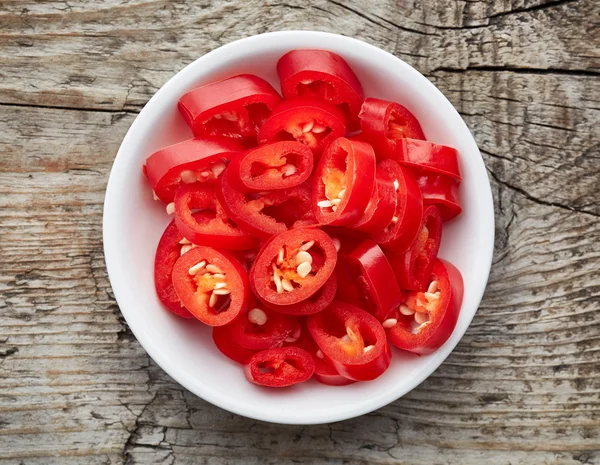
{"x": 522, "y": 387}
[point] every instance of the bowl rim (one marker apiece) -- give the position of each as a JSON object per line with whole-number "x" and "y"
{"x": 110, "y": 234}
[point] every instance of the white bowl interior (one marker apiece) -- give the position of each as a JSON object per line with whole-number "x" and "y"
{"x": 133, "y": 224}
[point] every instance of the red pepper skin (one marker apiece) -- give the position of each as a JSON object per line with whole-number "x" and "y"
{"x": 266, "y": 336}
{"x": 203, "y": 228}
{"x": 167, "y": 253}
{"x": 325, "y": 373}
{"x": 288, "y": 120}
{"x": 285, "y": 366}
{"x": 413, "y": 266}
{"x": 401, "y": 233}
{"x": 313, "y": 304}
{"x": 382, "y": 206}
{"x": 441, "y": 191}
{"x": 428, "y": 157}
{"x": 223, "y": 339}
{"x": 345, "y": 165}
{"x": 194, "y": 156}
{"x": 330, "y": 77}
{"x": 371, "y": 272}
{"x": 442, "y": 318}
{"x": 234, "y": 107}
{"x": 264, "y": 168}
{"x": 267, "y": 213}
{"x": 383, "y": 123}
{"x": 348, "y": 356}
{"x": 196, "y": 299}
{"x": 324, "y": 258}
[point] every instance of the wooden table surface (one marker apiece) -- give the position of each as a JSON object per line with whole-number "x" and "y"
{"x": 522, "y": 387}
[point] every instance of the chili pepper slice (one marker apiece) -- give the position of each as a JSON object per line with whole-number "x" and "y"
{"x": 278, "y": 165}
{"x": 281, "y": 367}
{"x": 325, "y": 372}
{"x": 313, "y": 304}
{"x": 413, "y": 266}
{"x": 193, "y": 160}
{"x": 323, "y": 75}
{"x": 383, "y": 123}
{"x": 311, "y": 122}
{"x": 352, "y": 340}
{"x": 406, "y": 222}
{"x": 212, "y": 285}
{"x": 442, "y": 191}
{"x": 372, "y": 272}
{"x": 167, "y": 253}
{"x": 382, "y": 206}
{"x": 264, "y": 214}
{"x": 343, "y": 182}
{"x": 223, "y": 339}
{"x": 260, "y": 329}
{"x": 426, "y": 319}
{"x": 213, "y": 226}
{"x": 427, "y": 156}
{"x": 234, "y": 107}
{"x": 293, "y": 266}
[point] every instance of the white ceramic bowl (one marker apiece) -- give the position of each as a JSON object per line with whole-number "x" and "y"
{"x": 133, "y": 224}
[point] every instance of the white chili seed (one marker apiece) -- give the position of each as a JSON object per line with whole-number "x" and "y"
{"x": 308, "y": 126}
{"x": 319, "y": 353}
{"x": 197, "y": 267}
{"x": 303, "y": 269}
{"x": 218, "y": 276}
{"x": 217, "y": 168}
{"x": 421, "y": 317}
{"x": 186, "y": 248}
{"x": 213, "y": 268}
{"x": 366, "y": 349}
{"x": 188, "y": 177}
{"x": 334, "y": 208}
{"x": 229, "y": 116}
{"x": 306, "y": 82}
{"x": 217, "y": 116}
{"x": 318, "y": 128}
{"x": 396, "y": 184}
{"x": 205, "y": 174}
{"x": 324, "y": 203}
{"x": 289, "y": 170}
{"x": 303, "y": 256}
{"x": 277, "y": 279}
{"x": 290, "y": 339}
{"x": 336, "y": 201}
{"x": 394, "y": 219}
{"x": 336, "y": 243}
{"x": 406, "y": 310}
{"x": 220, "y": 285}
{"x": 257, "y": 316}
{"x": 389, "y": 323}
{"x": 280, "y": 257}
{"x": 213, "y": 300}
{"x": 287, "y": 285}
{"x": 170, "y": 208}
{"x": 222, "y": 291}
{"x": 432, "y": 287}
{"x": 307, "y": 245}
{"x": 431, "y": 296}
{"x": 341, "y": 194}
{"x": 184, "y": 241}
{"x": 154, "y": 196}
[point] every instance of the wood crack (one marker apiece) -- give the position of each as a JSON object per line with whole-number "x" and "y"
{"x": 520, "y": 70}
{"x": 543, "y": 6}
{"x": 67, "y": 108}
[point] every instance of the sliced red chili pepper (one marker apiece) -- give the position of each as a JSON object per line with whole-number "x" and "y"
{"x": 280, "y": 367}
{"x": 264, "y": 214}
{"x": 278, "y": 165}
{"x": 311, "y": 122}
{"x": 427, "y": 156}
{"x": 343, "y": 182}
{"x": 325, "y": 372}
{"x": 323, "y": 75}
{"x": 382, "y": 206}
{"x": 352, "y": 340}
{"x": 167, "y": 253}
{"x": 406, "y": 222}
{"x": 313, "y": 304}
{"x": 223, "y": 338}
{"x": 260, "y": 329}
{"x": 413, "y": 266}
{"x": 373, "y": 274}
{"x": 426, "y": 319}
{"x": 293, "y": 266}
{"x": 212, "y": 285}
{"x": 442, "y": 191}
{"x": 213, "y": 226}
{"x": 234, "y": 107}
{"x": 193, "y": 160}
{"x": 383, "y": 123}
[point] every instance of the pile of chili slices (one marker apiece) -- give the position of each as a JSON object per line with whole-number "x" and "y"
{"x": 306, "y": 249}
